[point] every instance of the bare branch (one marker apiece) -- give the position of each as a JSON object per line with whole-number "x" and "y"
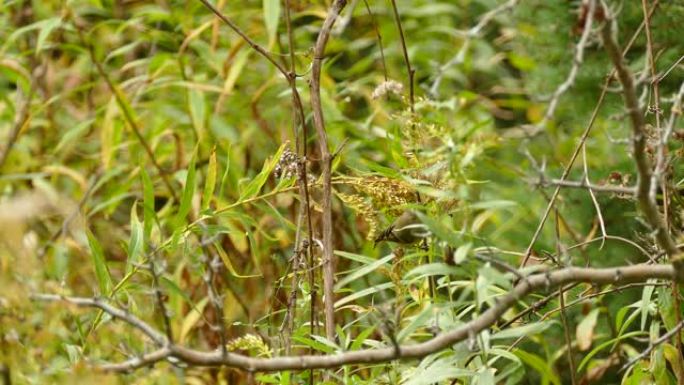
{"x": 115, "y": 312}
{"x": 583, "y": 184}
{"x": 653, "y": 345}
{"x": 617, "y": 276}
{"x": 645, "y": 200}
{"x": 326, "y": 164}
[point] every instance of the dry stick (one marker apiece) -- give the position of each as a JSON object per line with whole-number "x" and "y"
{"x": 655, "y": 81}
{"x": 411, "y": 71}
{"x": 653, "y": 345}
{"x": 574, "y": 70}
{"x": 601, "y": 293}
{"x": 160, "y": 300}
{"x": 291, "y": 77}
{"x": 473, "y": 32}
{"x": 246, "y": 38}
{"x": 379, "y": 37}
{"x": 599, "y": 215}
{"x": 617, "y": 276}
{"x": 302, "y": 175}
{"x": 20, "y": 123}
{"x": 561, "y": 298}
{"x": 583, "y": 139}
{"x": 584, "y": 184}
{"x": 657, "y": 177}
{"x": 646, "y": 204}
{"x": 326, "y": 163}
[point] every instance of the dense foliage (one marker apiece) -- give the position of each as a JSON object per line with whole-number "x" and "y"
{"x": 153, "y": 159}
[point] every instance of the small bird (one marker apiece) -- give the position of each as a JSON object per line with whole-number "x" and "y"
{"x": 406, "y": 230}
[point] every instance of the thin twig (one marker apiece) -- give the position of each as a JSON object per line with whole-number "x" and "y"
{"x": 653, "y": 345}
{"x": 583, "y": 138}
{"x": 407, "y": 61}
{"x": 561, "y": 300}
{"x": 584, "y": 184}
{"x": 21, "y": 120}
{"x": 577, "y": 61}
{"x": 246, "y": 38}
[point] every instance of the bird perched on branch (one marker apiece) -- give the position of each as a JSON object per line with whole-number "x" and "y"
{"x": 406, "y": 230}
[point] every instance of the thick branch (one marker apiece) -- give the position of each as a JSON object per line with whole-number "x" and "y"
{"x": 547, "y": 281}
{"x": 326, "y": 163}
{"x": 636, "y": 116}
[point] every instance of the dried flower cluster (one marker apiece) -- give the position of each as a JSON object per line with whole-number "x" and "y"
{"x": 385, "y": 193}
{"x": 287, "y": 165}
{"x": 249, "y": 342}
{"x": 364, "y": 209}
{"x": 389, "y": 87}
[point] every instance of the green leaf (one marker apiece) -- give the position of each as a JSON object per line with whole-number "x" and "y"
{"x": 135, "y": 242}
{"x": 585, "y": 330}
{"x": 188, "y": 192}
{"x": 104, "y": 280}
{"x": 46, "y": 28}
{"x": 318, "y": 345}
{"x": 363, "y": 293}
{"x": 228, "y": 264}
{"x": 197, "y": 107}
{"x": 361, "y": 338}
{"x": 646, "y": 302}
{"x": 538, "y": 364}
{"x": 148, "y": 203}
{"x": 527, "y": 330}
{"x": 604, "y": 345}
{"x": 253, "y": 188}
{"x": 271, "y": 16}
{"x": 210, "y": 182}
{"x": 367, "y": 269}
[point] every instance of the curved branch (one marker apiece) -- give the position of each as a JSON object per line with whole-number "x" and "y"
{"x": 115, "y": 312}
{"x": 618, "y": 276}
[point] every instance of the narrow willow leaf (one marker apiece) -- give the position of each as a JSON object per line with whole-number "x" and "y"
{"x": 135, "y": 242}
{"x": 148, "y": 203}
{"x": 363, "y": 293}
{"x": 539, "y": 365}
{"x": 527, "y": 330}
{"x": 108, "y": 134}
{"x": 271, "y": 16}
{"x": 228, "y": 264}
{"x": 585, "y": 330}
{"x": 191, "y": 319}
{"x": 46, "y": 28}
{"x": 104, "y": 280}
{"x": 188, "y": 192}
{"x": 210, "y": 182}
{"x": 361, "y": 337}
{"x": 197, "y": 107}
{"x": 646, "y": 295}
{"x": 606, "y": 344}
{"x": 364, "y": 270}
{"x": 235, "y": 71}
{"x": 253, "y": 188}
